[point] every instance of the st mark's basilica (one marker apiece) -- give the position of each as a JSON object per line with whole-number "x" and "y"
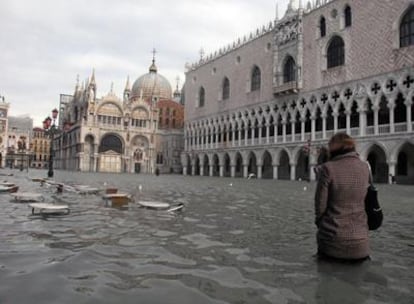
{"x": 142, "y": 132}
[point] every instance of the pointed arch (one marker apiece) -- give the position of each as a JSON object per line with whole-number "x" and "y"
{"x": 256, "y": 79}
{"x": 335, "y": 52}
{"x": 289, "y": 70}
{"x": 407, "y": 28}
{"x": 226, "y": 88}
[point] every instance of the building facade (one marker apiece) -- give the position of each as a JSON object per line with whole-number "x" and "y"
{"x": 19, "y": 136}
{"x": 268, "y": 103}
{"x": 112, "y": 134}
{"x": 4, "y": 110}
{"x": 40, "y": 149}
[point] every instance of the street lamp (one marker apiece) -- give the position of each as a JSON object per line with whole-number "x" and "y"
{"x": 51, "y": 129}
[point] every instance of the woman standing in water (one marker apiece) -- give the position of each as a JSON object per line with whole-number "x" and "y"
{"x": 340, "y": 203}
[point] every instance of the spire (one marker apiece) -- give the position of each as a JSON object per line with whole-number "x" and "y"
{"x": 77, "y": 83}
{"x": 153, "y": 67}
{"x": 127, "y": 86}
{"x": 177, "y": 92}
{"x": 93, "y": 77}
{"x": 277, "y": 12}
{"x": 112, "y": 88}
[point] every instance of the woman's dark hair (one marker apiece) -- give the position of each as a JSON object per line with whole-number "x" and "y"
{"x": 341, "y": 143}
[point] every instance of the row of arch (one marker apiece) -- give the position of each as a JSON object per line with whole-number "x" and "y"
{"x": 295, "y": 163}
{"x": 389, "y": 94}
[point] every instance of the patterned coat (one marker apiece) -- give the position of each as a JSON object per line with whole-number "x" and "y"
{"x": 340, "y": 208}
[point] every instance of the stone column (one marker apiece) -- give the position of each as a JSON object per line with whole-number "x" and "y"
{"x": 348, "y": 122}
{"x": 201, "y": 169}
{"x": 362, "y": 122}
{"x": 246, "y": 133}
{"x": 324, "y": 126}
{"x": 376, "y": 125}
{"x": 259, "y": 171}
{"x": 267, "y": 133}
{"x": 391, "y": 171}
{"x": 245, "y": 170}
{"x": 211, "y": 170}
{"x": 240, "y": 136}
{"x": 335, "y": 117}
{"x": 259, "y": 165}
{"x": 221, "y": 167}
{"x": 276, "y": 131}
{"x": 260, "y": 134}
{"x": 252, "y": 131}
{"x": 284, "y": 131}
{"x": 233, "y": 171}
{"x": 185, "y": 170}
{"x": 275, "y": 172}
{"x": 233, "y": 138}
{"x": 313, "y": 128}
{"x": 409, "y": 118}
{"x": 292, "y": 172}
{"x": 391, "y": 107}
{"x": 193, "y": 172}
{"x": 293, "y": 128}
{"x": 302, "y": 127}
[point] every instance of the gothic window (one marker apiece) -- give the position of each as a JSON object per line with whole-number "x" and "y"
{"x": 160, "y": 159}
{"x": 336, "y": 52}
{"x": 201, "y": 97}
{"x": 322, "y": 26}
{"x": 407, "y": 28}
{"x": 256, "y": 79}
{"x": 289, "y": 70}
{"x": 226, "y": 88}
{"x": 348, "y": 16}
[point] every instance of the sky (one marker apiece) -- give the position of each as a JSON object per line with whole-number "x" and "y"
{"x": 45, "y": 44}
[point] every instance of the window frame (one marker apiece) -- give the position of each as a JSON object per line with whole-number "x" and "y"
{"x": 289, "y": 70}
{"x": 348, "y": 16}
{"x": 201, "y": 97}
{"x": 322, "y": 26}
{"x": 406, "y": 28}
{"x": 226, "y": 88}
{"x": 335, "y": 52}
{"x": 256, "y": 79}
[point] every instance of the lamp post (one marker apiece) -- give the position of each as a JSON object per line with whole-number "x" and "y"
{"x": 50, "y": 129}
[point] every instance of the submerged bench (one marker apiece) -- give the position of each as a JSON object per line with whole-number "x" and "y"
{"x": 45, "y": 208}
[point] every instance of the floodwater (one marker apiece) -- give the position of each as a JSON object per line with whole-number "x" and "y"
{"x": 236, "y": 241}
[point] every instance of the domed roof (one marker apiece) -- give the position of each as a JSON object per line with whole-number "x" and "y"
{"x": 152, "y": 84}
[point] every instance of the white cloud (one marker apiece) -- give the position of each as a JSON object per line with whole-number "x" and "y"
{"x": 46, "y": 43}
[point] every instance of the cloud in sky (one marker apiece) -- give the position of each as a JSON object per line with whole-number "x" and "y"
{"x": 44, "y": 44}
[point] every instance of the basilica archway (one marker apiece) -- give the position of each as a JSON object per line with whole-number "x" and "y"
{"x": 252, "y": 164}
{"x": 197, "y": 166}
{"x": 216, "y": 165}
{"x": 111, "y": 150}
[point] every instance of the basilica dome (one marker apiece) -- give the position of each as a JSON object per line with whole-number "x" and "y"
{"x": 152, "y": 84}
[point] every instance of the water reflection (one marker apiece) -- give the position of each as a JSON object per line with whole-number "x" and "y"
{"x": 252, "y": 242}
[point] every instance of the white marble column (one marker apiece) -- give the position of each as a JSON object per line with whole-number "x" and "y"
{"x": 185, "y": 170}
{"x": 211, "y": 169}
{"x": 391, "y": 171}
{"x": 221, "y": 167}
{"x": 233, "y": 171}
{"x": 362, "y": 122}
{"x": 313, "y": 128}
{"x": 348, "y": 122}
{"x": 391, "y": 107}
{"x": 376, "y": 124}
{"x": 259, "y": 171}
{"x": 275, "y": 172}
{"x": 201, "y": 170}
{"x": 324, "y": 126}
{"x": 284, "y": 131}
{"x": 409, "y": 118}
{"x": 267, "y": 133}
{"x": 302, "y": 129}
{"x": 292, "y": 172}
{"x": 245, "y": 171}
{"x": 293, "y": 128}
{"x": 335, "y": 117}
